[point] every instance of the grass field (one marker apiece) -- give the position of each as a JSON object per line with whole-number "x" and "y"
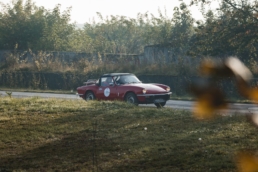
{"x": 74, "y": 135}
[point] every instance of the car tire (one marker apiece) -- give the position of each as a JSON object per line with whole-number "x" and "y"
{"x": 89, "y": 96}
{"x": 131, "y": 98}
{"x": 160, "y": 105}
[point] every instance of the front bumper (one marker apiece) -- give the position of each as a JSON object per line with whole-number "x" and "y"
{"x": 153, "y": 98}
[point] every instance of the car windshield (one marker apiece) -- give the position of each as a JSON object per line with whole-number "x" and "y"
{"x": 127, "y": 79}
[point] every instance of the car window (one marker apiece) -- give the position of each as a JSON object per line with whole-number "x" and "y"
{"x": 118, "y": 80}
{"x": 107, "y": 81}
{"x": 97, "y": 82}
{"x": 128, "y": 79}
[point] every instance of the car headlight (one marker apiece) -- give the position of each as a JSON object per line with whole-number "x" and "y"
{"x": 144, "y": 91}
{"x": 168, "y": 89}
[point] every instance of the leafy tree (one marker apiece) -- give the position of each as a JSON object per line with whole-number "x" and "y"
{"x": 79, "y": 42}
{"x": 57, "y": 30}
{"x": 232, "y": 31}
{"x": 157, "y": 30}
{"x": 115, "y": 34}
{"x": 24, "y": 26}
{"x": 20, "y": 25}
{"x": 118, "y": 34}
{"x": 182, "y": 31}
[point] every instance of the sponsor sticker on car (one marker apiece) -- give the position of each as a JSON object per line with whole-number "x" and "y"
{"x": 107, "y": 92}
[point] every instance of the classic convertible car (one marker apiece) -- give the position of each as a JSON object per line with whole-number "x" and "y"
{"x": 126, "y": 87}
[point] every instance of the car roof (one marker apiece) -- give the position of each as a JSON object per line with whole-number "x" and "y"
{"x": 116, "y": 74}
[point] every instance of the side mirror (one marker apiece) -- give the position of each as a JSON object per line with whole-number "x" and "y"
{"x": 111, "y": 84}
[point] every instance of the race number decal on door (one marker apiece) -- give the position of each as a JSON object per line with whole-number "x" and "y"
{"x": 107, "y": 92}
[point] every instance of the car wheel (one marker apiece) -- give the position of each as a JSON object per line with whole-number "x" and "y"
{"x": 89, "y": 96}
{"x": 131, "y": 98}
{"x": 160, "y": 105}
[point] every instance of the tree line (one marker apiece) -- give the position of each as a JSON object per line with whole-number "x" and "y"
{"x": 229, "y": 30}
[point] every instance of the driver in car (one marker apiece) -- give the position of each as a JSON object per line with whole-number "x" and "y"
{"x": 107, "y": 82}
{"x": 120, "y": 81}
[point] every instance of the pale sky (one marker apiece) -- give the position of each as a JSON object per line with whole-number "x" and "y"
{"x": 85, "y": 10}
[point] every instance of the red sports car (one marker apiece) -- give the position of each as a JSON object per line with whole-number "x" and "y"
{"x": 126, "y": 87}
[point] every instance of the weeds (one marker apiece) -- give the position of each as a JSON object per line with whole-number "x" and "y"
{"x": 9, "y": 94}
{"x": 48, "y": 61}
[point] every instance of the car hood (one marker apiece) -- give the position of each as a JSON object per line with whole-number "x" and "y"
{"x": 149, "y": 87}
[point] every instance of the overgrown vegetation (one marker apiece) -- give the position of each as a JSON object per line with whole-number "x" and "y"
{"x": 228, "y": 30}
{"x": 46, "y": 62}
{"x": 74, "y": 135}
{"x": 52, "y": 30}
{"x": 25, "y": 27}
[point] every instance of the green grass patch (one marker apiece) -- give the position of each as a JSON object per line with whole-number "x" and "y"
{"x": 74, "y": 135}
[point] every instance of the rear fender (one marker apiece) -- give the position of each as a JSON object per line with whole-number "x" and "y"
{"x": 83, "y": 91}
{"x": 88, "y": 90}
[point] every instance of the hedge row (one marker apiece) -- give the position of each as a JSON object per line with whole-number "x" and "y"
{"x": 68, "y": 81}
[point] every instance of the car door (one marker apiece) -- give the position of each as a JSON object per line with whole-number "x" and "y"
{"x": 116, "y": 91}
{"x": 106, "y": 84}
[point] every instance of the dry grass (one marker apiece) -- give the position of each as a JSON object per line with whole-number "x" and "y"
{"x": 37, "y": 90}
{"x": 74, "y": 135}
{"x": 43, "y": 61}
